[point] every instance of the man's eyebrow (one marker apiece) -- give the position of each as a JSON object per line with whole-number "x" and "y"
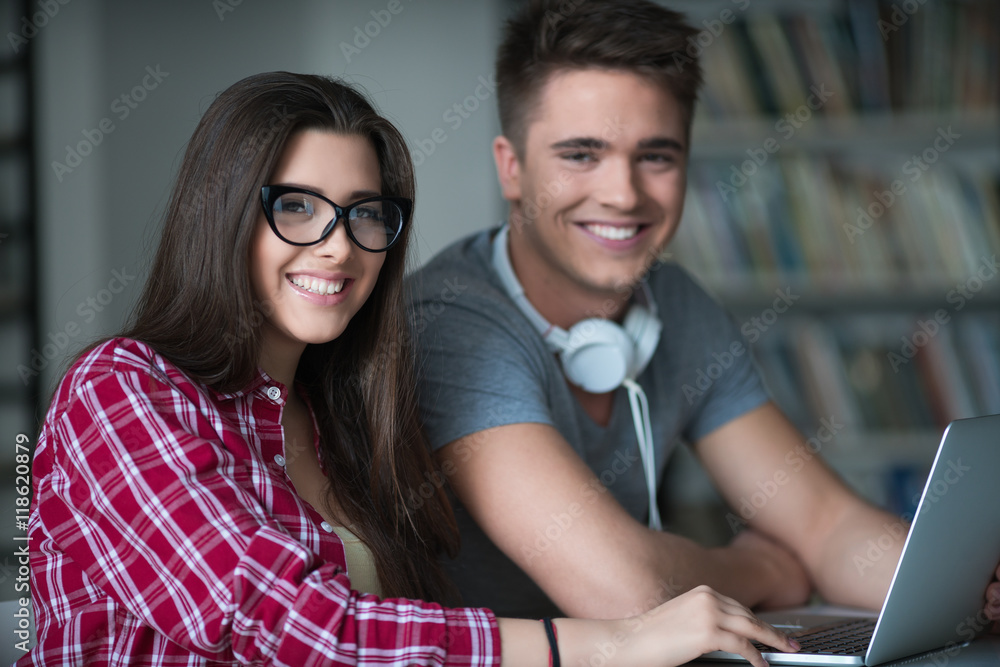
{"x": 591, "y": 143}
{"x": 581, "y": 142}
{"x": 661, "y": 142}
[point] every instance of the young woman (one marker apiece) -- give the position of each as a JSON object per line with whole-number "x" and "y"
{"x": 229, "y": 481}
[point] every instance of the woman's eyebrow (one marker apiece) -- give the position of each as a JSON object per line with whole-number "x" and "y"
{"x": 353, "y": 196}
{"x": 364, "y": 194}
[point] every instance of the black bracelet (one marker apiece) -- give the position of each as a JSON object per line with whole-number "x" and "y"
{"x": 550, "y": 632}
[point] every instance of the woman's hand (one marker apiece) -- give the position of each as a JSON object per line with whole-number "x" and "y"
{"x": 674, "y": 633}
{"x": 992, "y": 607}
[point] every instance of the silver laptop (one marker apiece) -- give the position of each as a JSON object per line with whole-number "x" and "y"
{"x": 935, "y": 600}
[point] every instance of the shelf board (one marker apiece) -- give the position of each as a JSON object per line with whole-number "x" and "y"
{"x": 863, "y": 133}
{"x": 11, "y": 64}
{"x": 878, "y": 300}
{"x": 13, "y": 144}
{"x": 892, "y": 294}
{"x": 14, "y": 393}
{"x": 10, "y": 303}
{"x": 876, "y": 449}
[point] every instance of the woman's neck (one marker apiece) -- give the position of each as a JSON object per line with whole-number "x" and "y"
{"x": 279, "y": 356}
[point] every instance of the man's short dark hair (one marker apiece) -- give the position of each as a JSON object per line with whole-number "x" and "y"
{"x": 547, "y": 36}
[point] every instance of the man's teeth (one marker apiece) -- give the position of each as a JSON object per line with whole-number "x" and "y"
{"x": 613, "y": 233}
{"x": 317, "y": 285}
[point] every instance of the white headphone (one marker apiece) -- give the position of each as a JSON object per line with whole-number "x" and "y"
{"x": 598, "y": 355}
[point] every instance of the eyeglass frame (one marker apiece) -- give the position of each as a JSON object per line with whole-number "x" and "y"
{"x": 340, "y": 212}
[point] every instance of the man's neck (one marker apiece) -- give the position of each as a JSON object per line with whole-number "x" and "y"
{"x": 556, "y": 296}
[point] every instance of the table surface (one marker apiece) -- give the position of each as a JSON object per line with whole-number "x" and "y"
{"x": 983, "y": 652}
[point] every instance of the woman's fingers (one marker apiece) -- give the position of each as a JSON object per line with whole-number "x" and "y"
{"x": 740, "y": 628}
{"x": 758, "y": 630}
{"x": 993, "y": 601}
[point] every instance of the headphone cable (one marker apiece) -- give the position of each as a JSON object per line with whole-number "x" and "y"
{"x": 644, "y": 435}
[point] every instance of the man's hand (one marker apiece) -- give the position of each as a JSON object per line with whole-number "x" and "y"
{"x": 794, "y": 585}
{"x": 809, "y": 510}
{"x": 993, "y": 602}
{"x": 514, "y": 479}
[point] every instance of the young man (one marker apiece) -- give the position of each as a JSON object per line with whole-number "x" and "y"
{"x": 596, "y": 100}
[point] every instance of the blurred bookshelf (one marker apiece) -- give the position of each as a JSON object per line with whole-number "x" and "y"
{"x": 847, "y": 153}
{"x": 19, "y": 329}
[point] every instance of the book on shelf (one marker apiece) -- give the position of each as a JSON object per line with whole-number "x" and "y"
{"x": 873, "y": 57}
{"x": 878, "y": 201}
{"x": 879, "y": 373}
{"x": 888, "y": 385}
{"x": 819, "y": 223}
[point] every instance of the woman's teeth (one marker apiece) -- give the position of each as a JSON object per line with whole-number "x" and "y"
{"x": 613, "y": 233}
{"x": 317, "y": 285}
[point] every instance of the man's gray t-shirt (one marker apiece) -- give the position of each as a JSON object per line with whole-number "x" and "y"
{"x": 482, "y": 364}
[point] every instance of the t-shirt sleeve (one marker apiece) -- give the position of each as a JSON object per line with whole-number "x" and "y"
{"x": 720, "y": 380}
{"x": 479, "y": 365}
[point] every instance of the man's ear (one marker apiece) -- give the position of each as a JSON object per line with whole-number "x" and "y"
{"x": 508, "y": 168}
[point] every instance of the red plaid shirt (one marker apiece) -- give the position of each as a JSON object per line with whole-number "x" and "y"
{"x": 164, "y": 531}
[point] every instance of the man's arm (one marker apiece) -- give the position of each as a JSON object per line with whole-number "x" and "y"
{"x": 760, "y": 459}
{"x": 521, "y": 480}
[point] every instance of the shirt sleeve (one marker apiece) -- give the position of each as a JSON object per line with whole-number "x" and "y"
{"x": 162, "y": 517}
{"x": 479, "y": 367}
{"x": 720, "y": 380}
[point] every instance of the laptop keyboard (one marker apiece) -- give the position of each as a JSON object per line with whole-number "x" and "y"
{"x": 847, "y": 638}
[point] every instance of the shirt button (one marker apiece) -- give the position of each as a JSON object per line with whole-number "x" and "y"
{"x": 327, "y": 527}
{"x": 273, "y": 393}
{"x": 280, "y": 460}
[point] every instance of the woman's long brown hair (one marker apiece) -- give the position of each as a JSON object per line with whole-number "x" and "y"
{"x": 199, "y": 311}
